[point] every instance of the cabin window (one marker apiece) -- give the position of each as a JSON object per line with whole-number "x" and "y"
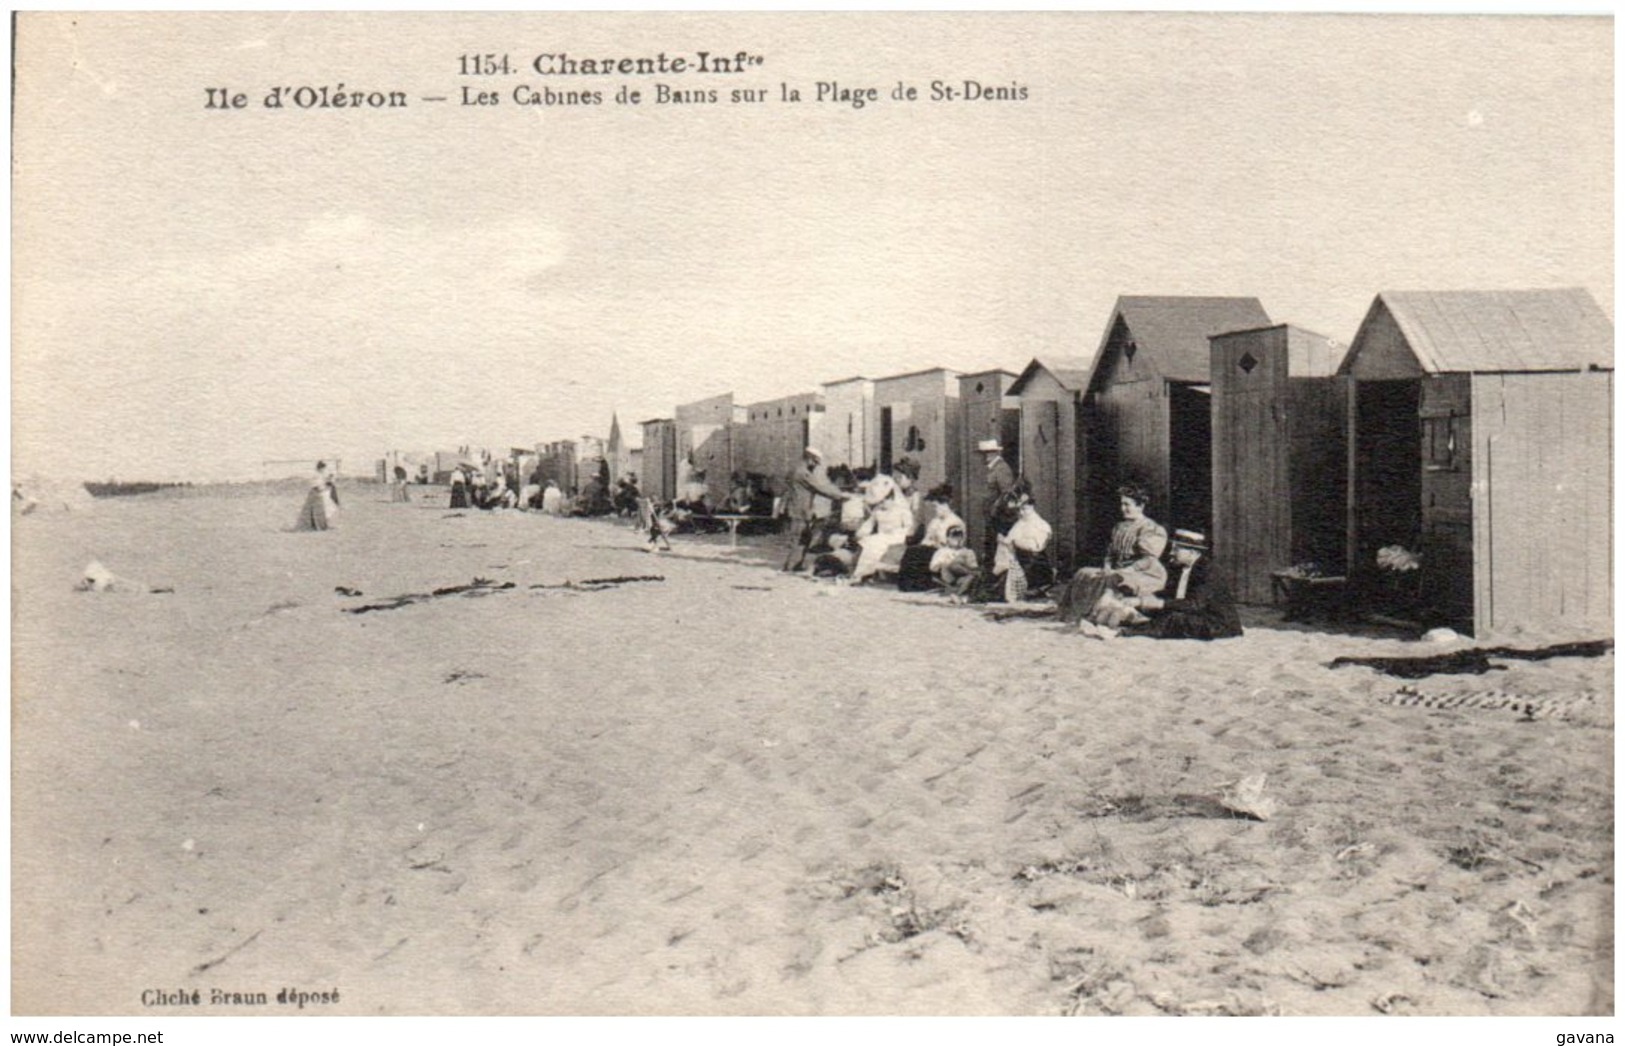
{"x": 1247, "y": 362}
{"x": 914, "y": 441}
{"x": 1441, "y": 443}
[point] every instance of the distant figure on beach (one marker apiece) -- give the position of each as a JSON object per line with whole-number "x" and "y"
{"x": 626, "y": 497}
{"x": 1194, "y": 604}
{"x": 459, "y": 488}
{"x": 553, "y": 499}
{"x": 660, "y": 524}
{"x": 321, "y": 506}
{"x": 810, "y": 499}
{"x": 1133, "y": 565}
{"x": 401, "y": 493}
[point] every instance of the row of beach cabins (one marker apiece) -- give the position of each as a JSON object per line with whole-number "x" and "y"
{"x": 1452, "y": 466}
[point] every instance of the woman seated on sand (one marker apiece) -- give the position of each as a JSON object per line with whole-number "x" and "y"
{"x": 1195, "y": 604}
{"x": 1133, "y": 566}
{"x": 553, "y": 499}
{"x": 889, "y": 523}
{"x": 916, "y": 573}
{"x": 906, "y": 474}
{"x": 1022, "y": 554}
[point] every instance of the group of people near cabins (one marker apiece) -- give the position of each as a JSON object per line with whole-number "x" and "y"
{"x": 858, "y": 527}
{"x": 693, "y": 512}
{"x": 485, "y": 488}
{"x": 1147, "y": 584}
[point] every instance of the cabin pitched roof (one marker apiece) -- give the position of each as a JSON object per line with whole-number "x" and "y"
{"x": 1519, "y": 330}
{"x": 1175, "y": 330}
{"x": 1071, "y": 372}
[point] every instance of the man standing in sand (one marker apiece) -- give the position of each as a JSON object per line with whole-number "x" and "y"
{"x": 1001, "y": 479}
{"x": 810, "y": 500}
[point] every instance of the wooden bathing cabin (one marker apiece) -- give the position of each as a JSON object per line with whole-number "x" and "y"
{"x": 918, "y": 417}
{"x": 987, "y": 410}
{"x": 771, "y": 440}
{"x": 1480, "y": 438}
{"x": 705, "y": 444}
{"x": 658, "y": 475}
{"x": 1049, "y": 394}
{"x": 851, "y": 428}
{"x": 1279, "y": 459}
{"x": 1148, "y": 409}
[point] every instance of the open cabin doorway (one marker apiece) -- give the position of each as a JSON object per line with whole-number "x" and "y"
{"x": 1190, "y": 457}
{"x": 1387, "y": 495}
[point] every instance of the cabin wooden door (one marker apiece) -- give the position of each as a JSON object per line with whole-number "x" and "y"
{"x": 1447, "y": 497}
{"x": 1040, "y": 455}
{"x": 981, "y": 405}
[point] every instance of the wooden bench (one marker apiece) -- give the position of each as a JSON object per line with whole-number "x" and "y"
{"x": 1309, "y": 598}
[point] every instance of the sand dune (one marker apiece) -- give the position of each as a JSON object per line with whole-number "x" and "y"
{"x": 735, "y": 792}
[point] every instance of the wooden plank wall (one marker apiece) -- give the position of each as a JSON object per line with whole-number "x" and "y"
{"x": 1050, "y": 459}
{"x": 659, "y": 478}
{"x": 1252, "y": 445}
{"x": 981, "y": 398}
{"x": 1135, "y": 422}
{"x": 1318, "y": 471}
{"x": 1543, "y": 503}
{"x": 1447, "y": 499}
{"x": 1041, "y": 454}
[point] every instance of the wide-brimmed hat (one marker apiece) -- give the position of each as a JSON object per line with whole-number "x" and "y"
{"x": 813, "y": 452}
{"x": 990, "y": 446}
{"x": 1191, "y": 539}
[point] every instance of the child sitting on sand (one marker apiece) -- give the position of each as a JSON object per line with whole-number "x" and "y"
{"x": 955, "y": 565}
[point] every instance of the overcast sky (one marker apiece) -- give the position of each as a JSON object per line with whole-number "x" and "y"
{"x": 196, "y": 291}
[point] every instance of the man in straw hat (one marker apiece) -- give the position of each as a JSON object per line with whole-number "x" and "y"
{"x": 1194, "y": 604}
{"x": 1001, "y": 480}
{"x": 808, "y": 503}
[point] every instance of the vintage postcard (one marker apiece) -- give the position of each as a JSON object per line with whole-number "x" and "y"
{"x": 812, "y": 515}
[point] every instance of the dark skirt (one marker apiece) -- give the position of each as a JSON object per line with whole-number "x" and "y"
{"x": 1078, "y": 598}
{"x": 313, "y": 514}
{"x": 1040, "y": 573}
{"x": 915, "y": 573}
{"x": 459, "y": 495}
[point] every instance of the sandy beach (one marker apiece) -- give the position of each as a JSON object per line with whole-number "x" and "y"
{"x": 730, "y": 791}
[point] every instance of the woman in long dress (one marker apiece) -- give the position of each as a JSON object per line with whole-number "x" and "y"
{"x": 1133, "y": 565}
{"x": 1022, "y": 553}
{"x": 459, "y": 488}
{"x": 889, "y": 524}
{"x": 916, "y": 573}
{"x": 321, "y": 502}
